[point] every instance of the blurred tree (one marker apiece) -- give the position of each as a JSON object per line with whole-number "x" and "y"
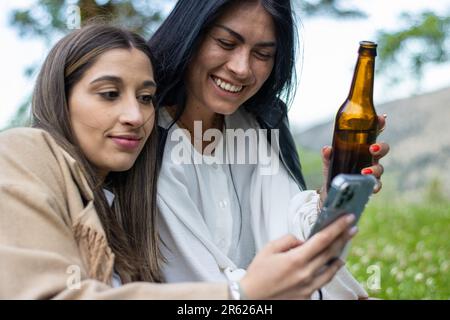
{"x": 50, "y": 19}
{"x": 423, "y": 40}
{"x": 330, "y": 8}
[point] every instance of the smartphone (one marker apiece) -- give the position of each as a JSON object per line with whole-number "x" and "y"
{"x": 348, "y": 193}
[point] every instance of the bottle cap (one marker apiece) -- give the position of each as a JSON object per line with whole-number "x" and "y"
{"x": 368, "y": 45}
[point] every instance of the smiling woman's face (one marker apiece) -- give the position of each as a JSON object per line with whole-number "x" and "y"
{"x": 234, "y": 60}
{"x": 111, "y": 109}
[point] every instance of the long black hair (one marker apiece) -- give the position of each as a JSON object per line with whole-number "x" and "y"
{"x": 177, "y": 40}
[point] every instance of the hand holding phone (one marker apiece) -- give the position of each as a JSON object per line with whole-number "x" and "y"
{"x": 348, "y": 193}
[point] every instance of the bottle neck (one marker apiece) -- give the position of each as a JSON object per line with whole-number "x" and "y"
{"x": 361, "y": 91}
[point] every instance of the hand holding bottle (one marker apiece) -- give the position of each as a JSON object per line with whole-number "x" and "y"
{"x": 377, "y": 150}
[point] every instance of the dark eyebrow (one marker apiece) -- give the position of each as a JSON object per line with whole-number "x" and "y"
{"x": 107, "y": 78}
{"x": 146, "y": 83}
{"x": 149, "y": 83}
{"x": 242, "y": 39}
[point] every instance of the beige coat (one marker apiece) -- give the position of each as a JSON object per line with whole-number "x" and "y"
{"x": 49, "y": 239}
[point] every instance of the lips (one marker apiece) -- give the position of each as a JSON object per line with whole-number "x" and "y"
{"x": 128, "y": 142}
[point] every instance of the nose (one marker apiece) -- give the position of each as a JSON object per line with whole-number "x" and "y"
{"x": 239, "y": 64}
{"x": 131, "y": 113}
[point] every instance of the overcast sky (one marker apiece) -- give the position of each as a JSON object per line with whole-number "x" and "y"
{"x": 329, "y": 55}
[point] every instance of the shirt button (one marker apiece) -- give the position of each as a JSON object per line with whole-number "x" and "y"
{"x": 223, "y": 204}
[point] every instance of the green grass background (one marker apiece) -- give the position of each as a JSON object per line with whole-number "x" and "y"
{"x": 402, "y": 249}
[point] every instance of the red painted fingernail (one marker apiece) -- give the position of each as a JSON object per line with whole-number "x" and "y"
{"x": 375, "y": 148}
{"x": 367, "y": 171}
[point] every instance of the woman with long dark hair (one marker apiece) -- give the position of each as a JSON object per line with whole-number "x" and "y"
{"x": 224, "y": 68}
{"x": 78, "y": 216}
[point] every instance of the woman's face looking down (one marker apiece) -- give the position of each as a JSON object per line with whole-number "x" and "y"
{"x": 234, "y": 59}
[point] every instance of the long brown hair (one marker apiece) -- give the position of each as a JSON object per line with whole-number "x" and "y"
{"x": 131, "y": 225}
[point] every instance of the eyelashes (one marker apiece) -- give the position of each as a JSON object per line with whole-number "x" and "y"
{"x": 146, "y": 99}
{"x": 109, "y": 95}
{"x": 228, "y": 45}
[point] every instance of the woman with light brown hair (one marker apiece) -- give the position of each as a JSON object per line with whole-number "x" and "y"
{"x": 77, "y": 190}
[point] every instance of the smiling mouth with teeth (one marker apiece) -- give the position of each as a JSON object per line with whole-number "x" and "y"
{"x": 226, "y": 86}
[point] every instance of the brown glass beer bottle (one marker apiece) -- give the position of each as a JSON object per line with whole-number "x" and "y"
{"x": 356, "y": 123}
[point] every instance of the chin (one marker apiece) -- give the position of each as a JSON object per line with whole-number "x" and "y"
{"x": 121, "y": 167}
{"x": 225, "y": 109}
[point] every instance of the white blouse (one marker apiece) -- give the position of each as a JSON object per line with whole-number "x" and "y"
{"x": 217, "y": 202}
{"x": 214, "y": 218}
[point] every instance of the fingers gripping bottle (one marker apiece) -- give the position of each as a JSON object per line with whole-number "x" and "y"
{"x": 356, "y": 123}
